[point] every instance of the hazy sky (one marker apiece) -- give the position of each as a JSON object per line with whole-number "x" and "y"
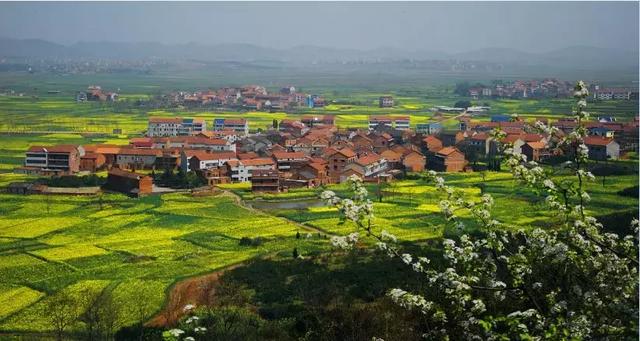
{"x": 450, "y": 27}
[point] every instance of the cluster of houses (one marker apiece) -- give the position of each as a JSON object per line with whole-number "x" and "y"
{"x": 547, "y": 88}
{"x": 95, "y": 93}
{"x": 605, "y": 94}
{"x": 250, "y": 97}
{"x": 607, "y": 139}
{"x": 524, "y": 89}
{"x": 312, "y": 151}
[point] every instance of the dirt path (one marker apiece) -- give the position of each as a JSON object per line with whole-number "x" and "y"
{"x": 195, "y": 290}
{"x": 199, "y": 290}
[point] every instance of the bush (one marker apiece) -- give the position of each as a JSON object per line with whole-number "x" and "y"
{"x": 246, "y": 241}
{"x": 71, "y": 181}
{"x": 619, "y": 222}
{"x": 612, "y": 169}
{"x": 629, "y": 192}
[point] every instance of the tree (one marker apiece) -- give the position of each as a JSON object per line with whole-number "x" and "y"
{"x": 462, "y": 104}
{"x": 100, "y": 315}
{"x": 143, "y": 309}
{"x": 62, "y": 311}
{"x": 572, "y": 280}
{"x": 462, "y": 89}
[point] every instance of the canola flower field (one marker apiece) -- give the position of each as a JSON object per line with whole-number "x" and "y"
{"x": 409, "y": 208}
{"x": 67, "y": 243}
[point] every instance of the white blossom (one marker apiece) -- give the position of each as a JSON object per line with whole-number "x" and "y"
{"x": 176, "y": 332}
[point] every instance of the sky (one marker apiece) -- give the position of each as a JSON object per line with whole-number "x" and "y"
{"x": 439, "y": 26}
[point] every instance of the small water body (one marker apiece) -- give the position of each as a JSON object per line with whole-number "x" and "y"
{"x": 285, "y": 205}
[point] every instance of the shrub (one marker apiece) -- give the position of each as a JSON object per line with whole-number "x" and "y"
{"x": 246, "y": 241}
{"x": 629, "y": 192}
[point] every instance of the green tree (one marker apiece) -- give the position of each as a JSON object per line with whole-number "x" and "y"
{"x": 462, "y": 104}
{"x": 62, "y": 311}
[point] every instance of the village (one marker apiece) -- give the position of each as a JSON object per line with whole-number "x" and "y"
{"x": 545, "y": 88}
{"x": 312, "y": 151}
{"x": 248, "y": 97}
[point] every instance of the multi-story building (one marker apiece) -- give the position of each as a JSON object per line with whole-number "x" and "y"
{"x": 385, "y": 102}
{"x": 265, "y": 181}
{"x": 60, "y": 159}
{"x": 192, "y": 126}
{"x": 193, "y": 160}
{"x": 242, "y": 170}
{"x": 428, "y": 128}
{"x": 613, "y": 93}
{"x": 312, "y": 121}
{"x": 284, "y": 160}
{"x": 402, "y": 122}
{"x": 175, "y": 126}
{"x": 367, "y": 166}
{"x": 431, "y": 144}
{"x": 193, "y": 142}
{"x": 397, "y": 122}
{"x": 375, "y": 121}
{"x": 130, "y": 158}
{"x": 240, "y": 126}
{"x": 337, "y": 160}
{"x": 448, "y": 159}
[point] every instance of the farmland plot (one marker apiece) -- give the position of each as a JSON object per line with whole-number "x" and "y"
{"x": 69, "y": 243}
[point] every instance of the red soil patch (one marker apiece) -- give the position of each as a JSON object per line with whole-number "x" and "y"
{"x": 198, "y": 291}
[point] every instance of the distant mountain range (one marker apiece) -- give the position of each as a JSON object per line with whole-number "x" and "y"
{"x": 575, "y": 57}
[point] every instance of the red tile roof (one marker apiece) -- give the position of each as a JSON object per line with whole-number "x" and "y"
{"x": 368, "y": 159}
{"x": 263, "y": 161}
{"x": 248, "y": 155}
{"x": 205, "y": 155}
{"x": 537, "y": 145}
{"x": 288, "y": 155}
{"x": 165, "y": 120}
{"x": 597, "y": 141}
{"x": 431, "y": 139}
{"x": 447, "y": 151}
{"x": 391, "y": 155}
{"x": 103, "y": 148}
{"x": 136, "y": 151}
{"x": 347, "y": 152}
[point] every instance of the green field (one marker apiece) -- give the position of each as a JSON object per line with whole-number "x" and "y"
{"x": 37, "y": 110}
{"x": 409, "y": 208}
{"x": 66, "y": 243}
